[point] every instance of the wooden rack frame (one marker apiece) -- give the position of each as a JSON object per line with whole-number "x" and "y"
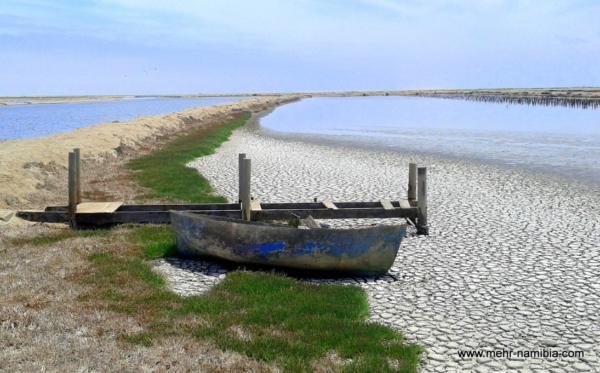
{"x": 99, "y": 214}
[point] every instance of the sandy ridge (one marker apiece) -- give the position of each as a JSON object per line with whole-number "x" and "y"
{"x": 28, "y": 168}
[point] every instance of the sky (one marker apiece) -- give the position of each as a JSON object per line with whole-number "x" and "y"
{"x": 78, "y": 47}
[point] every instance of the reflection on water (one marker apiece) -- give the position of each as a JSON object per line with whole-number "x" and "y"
{"x": 551, "y": 139}
{"x": 29, "y": 121}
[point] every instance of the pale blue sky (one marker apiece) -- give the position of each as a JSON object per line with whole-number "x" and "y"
{"x": 186, "y": 46}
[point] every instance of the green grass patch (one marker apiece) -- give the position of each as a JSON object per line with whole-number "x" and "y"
{"x": 294, "y": 324}
{"x": 158, "y": 242}
{"x": 267, "y": 316}
{"x": 164, "y": 170}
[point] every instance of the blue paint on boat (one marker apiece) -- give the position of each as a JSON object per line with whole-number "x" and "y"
{"x": 267, "y": 249}
{"x": 342, "y": 248}
{"x": 310, "y": 248}
{"x": 346, "y": 249}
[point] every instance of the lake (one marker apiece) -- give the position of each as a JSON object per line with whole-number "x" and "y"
{"x": 30, "y": 121}
{"x": 552, "y": 139}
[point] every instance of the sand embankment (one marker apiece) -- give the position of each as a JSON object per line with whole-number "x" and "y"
{"x": 31, "y": 170}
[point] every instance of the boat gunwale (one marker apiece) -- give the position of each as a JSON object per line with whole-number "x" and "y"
{"x": 225, "y": 219}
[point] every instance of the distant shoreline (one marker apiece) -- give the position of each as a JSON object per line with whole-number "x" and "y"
{"x": 564, "y": 94}
{"x": 51, "y": 100}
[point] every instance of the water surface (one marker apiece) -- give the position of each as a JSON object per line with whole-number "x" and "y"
{"x": 30, "y": 121}
{"x": 557, "y": 140}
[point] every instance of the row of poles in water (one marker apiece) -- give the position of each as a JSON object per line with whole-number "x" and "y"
{"x": 538, "y": 100}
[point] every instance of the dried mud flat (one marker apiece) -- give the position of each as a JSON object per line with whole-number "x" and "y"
{"x": 512, "y": 261}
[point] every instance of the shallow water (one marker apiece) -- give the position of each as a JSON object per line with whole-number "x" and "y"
{"x": 30, "y": 121}
{"x": 555, "y": 140}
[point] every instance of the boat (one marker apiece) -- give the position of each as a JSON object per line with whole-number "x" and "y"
{"x": 365, "y": 251}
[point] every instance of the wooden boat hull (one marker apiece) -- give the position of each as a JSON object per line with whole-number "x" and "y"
{"x": 367, "y": 251}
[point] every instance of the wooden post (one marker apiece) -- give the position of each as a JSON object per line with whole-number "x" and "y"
{"x": 72, "y": 189}
{"x": 241, "y": 157}
{"x": 78, "y": 174}
{"x": 412, "y": 182}
{"x": 422, "y": 227}
{"x": 246, "y": 200}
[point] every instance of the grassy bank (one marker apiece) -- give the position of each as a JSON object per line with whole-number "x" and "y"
{"x": 164, "y": 171}
{"x": 273, "y": 319}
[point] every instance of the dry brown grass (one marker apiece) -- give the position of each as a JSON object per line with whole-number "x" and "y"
{"x": 45, "y": 326}
{"x": 330, "y": 363}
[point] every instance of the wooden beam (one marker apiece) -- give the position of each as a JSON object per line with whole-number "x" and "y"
{"x": 232, "y": 206}
{"x": 163, "y": 217}
{"x": 72, "y": 188}
{"x": 255, "y": 205}
{"x": 330, "y": 205}
{"x": 109, "y": 219}
{"x": 386, "y": 204}
{"x": 45, "y": 216}
{"x": 182, "y": 207}
{"x": 97, "y": 207}
{"x": 246, "y": 193}
{"x": 422, "y": 227}
{"x": 146, "y": 217}
{"x": 77, "y": 152}
{"x": 241, "y": 157}
{"x": 412, "y": 182}
{"x": 349, "y": 213}
{"x": 404, "y": 204}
